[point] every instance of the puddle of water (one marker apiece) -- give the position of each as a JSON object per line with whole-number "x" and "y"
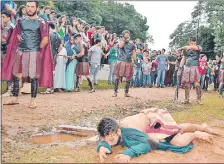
{"x": 58, "y": 137}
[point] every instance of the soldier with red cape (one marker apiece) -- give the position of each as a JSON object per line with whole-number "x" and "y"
{"x": 29, "y": 54}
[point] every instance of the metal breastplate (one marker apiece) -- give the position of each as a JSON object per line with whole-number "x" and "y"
{"x": 126, "y": 52}
{"x": 191, "y": 57}
{"x": 30, "y": 35}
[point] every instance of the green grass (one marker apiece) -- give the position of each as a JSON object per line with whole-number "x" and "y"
{"x": 102, "y": 84}
{"x": 213, "y": 108}
{"x": 3, "y": 85}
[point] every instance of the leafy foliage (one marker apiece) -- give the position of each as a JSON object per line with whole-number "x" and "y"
{"x": 116, "y": 17}
{"x": 207, "y": 24}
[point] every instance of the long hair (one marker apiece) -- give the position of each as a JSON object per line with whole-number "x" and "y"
{"x": 60, "y": 19}
{"x": 19, "y": 11}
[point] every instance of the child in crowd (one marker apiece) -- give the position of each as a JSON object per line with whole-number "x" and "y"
{"x": 138, "y": 71}
{"x": 207, "y": 77}
{"x": 154, "y": 69}
{"x": 147, "y": 69}
{"x": 212, "y": 74}
{"x": 202, "y": 69}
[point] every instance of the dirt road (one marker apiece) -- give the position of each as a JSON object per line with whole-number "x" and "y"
{"x": 86, "y": 109}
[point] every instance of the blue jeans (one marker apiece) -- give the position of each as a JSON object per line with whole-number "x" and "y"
{"x": 8, "y": 84}
{"x": 94, "y": 68}
{"x": 138, "y": 75}
{"x": 211, "y": 79}
{"x": 147, "y": 80}
{"x": 153, "y": 76}
{"x": 160, "y": 78}
{"x": 111, "y": 77}
{"x": 133, "y": 77}
{"x": 66, "y": 38}
{"x": 202, "y": 80}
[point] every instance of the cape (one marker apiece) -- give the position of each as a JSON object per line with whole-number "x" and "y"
{"x": 46, "y": 75}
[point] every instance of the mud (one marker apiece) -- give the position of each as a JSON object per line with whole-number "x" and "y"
{"x": 19, "y": 124}
{"x": 55, "y": 138}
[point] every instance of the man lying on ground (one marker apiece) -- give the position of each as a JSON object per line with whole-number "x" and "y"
{"x": 141, "y": 134}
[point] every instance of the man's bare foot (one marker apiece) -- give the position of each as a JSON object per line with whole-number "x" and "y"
{"x": 115, "y": 95}
{"x": 33, "y": 104}
{"x": 204, "y": 136}
{"x": 13, "y": 101}
{"x": 209, "y": 130}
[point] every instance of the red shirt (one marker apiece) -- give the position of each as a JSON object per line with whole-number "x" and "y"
{"x": 89, "y": 35}
{"x": 202, "y": 65}
{"x": 154, "y": 65}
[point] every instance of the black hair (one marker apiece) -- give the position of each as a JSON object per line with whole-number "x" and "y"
{"x": 46, "y": 7}
{"x": 86, "y": 28}
{"x": 106, "y": 126}
{"x": 125, "y": 31}
{"x": 77, "y": 35}
{"x": 7, "y": 13}
{"x": 193, "y": 39}
{"x": 115, "y": 43}
{"x": 202, "y": 55}
{"x": 52, "y": 25}
{"x": 19, "y": 11}
{"x": 37, "y": 3}
{"x": 164, "y": 50}
{"x": 52, "y": 11}
{"x": 58, "y": 16}
{"x": 146, "y": 51}
{"x": 71, "y": 36}
{"x": 159, "y": 52}
{"x": 98, "y": 41}
{"x": 42, "y": 7}
{"x": 98, "y": 28}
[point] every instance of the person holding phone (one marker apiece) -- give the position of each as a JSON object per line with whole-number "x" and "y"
{"x": 123, "y": 67}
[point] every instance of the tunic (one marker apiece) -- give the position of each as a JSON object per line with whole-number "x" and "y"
{"x": 139, "y": 143}
{"x": 59, "y": 74}
{"x": 191, "y": 72}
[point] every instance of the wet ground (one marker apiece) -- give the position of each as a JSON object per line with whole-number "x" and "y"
{"x": 19, "y": 124}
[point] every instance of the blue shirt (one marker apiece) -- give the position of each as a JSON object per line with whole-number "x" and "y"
{"x": 162, "y": 59}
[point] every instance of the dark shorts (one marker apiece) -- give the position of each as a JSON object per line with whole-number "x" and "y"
{"x": 168, "y": 139}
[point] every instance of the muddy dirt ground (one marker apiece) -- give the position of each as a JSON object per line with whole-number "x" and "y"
{"x": 19, "y": 123}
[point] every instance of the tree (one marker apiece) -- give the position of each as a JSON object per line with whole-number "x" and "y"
{"x": 207, "y": 23}
{"x": 116, "y": 17}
